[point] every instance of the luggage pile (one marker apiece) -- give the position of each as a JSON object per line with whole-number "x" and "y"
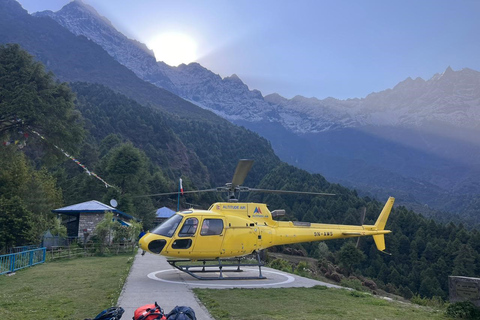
{"x": 148, "y": 312}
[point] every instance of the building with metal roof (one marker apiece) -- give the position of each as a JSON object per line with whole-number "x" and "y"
{"x": 163, "y": 214}
{"x": 84, "y": 217}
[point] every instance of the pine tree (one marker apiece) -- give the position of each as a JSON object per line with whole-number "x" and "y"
{"x": 464, "y": 263}
{"x": 349, "y": 256}
{"x": 16, "y": 224}
{"x": 31, "y": 101}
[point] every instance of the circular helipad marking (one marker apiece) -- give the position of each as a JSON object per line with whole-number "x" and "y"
{"x": 208, "y": 283}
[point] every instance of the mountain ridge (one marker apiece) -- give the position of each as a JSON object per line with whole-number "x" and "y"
{"x": 82, "y": 19}
{"x": 299, "y": 114}
{"x": 435, "y": 110}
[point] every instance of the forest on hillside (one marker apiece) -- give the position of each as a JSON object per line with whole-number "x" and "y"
{"x": 139, "y": 150}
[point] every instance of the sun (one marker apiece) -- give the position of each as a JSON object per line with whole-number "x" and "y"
{"x": 174, "y": 48}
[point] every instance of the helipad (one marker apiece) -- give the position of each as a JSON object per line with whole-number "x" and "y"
{"x": 274, "y": 278}
{"x": 152, "y": 279}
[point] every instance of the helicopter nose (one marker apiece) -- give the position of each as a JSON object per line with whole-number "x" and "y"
{"x": 152, "y": 242}
{"x": 156, "y": 246}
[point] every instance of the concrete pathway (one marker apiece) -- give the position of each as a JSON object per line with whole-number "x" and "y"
{"x": 152, "y": 279}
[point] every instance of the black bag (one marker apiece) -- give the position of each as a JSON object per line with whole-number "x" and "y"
{"x": 114, "y": 313}
{"x": 181, "y": 313}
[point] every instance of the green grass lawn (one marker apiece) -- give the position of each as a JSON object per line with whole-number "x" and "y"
{"x": 81, "y": 288}
{"x": 66, "y": 289}
{"x": 307, "y": 303}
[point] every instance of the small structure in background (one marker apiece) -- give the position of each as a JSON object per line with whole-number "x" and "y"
{"x": 49, "y": 240}
{"x": 163, "y": 214}
{"x": 83, "y": 218}
{"x": 464, "y": 289}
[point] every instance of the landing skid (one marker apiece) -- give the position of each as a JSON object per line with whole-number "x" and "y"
{"x": 222, "y": 266}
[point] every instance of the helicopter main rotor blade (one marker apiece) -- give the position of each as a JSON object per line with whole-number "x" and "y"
{"x": 176, "y": 192}
{"x": 241, "y": 171}
{"x": 290, "y": 192}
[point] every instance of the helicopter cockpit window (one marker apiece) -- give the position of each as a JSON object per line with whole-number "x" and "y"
{"x": 167, "y": 228}
{"x": 212, "y": 227}
{"x": 189, "y": 228}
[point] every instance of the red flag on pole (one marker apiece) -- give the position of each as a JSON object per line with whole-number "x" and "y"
{"x": 181, "y": 187}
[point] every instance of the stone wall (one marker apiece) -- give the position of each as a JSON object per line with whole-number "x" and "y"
{"x": 87, "y": 223}
{"x": 463, "y": 289}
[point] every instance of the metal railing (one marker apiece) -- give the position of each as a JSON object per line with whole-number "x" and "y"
{"x": 89, "y": 249}
{"x": 16, "y": 261}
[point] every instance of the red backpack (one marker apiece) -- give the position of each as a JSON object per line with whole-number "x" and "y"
{"x": 149, "y": 312}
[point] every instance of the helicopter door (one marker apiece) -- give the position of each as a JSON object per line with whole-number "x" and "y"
{"x": 210, "y": 240}
{"x": 185, "y": 235}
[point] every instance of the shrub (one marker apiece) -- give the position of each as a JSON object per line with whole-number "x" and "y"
{"x": 435, "y": 302}
{"x": 303, "y": 269}
{"x": 463, "y": 310}
{"x": 281, "y": 264}
{"x": 352, "y": 283}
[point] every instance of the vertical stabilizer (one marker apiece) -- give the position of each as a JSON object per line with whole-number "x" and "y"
{"x": 380, "y": 224}
{"x": 379, "y": 241}
{"x": 382, "y": 219}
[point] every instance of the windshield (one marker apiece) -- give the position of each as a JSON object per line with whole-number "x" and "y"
{"x": 167, "y": 229}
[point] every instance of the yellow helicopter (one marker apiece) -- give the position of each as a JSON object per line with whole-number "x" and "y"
{"x": 236, "y": 229}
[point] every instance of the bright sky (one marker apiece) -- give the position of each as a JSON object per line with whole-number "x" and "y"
{"x": 314, "y": 48}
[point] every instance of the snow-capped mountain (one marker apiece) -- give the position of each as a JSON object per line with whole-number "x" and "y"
{"x": 452, "y": 97}
{"x": 418, "y": 139}
{"x": 82, "y": 19}
{"x": 228, "y": 97}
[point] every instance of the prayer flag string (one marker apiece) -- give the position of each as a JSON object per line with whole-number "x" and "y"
{"x": 89, "y": 172}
